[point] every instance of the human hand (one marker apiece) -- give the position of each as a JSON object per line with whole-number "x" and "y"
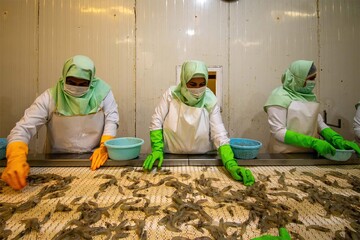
{"x": 17, "y": 169}
{"x": 348, "y": 145}
{"x": 241, "y": 174}
{"x": 323, "y": 147}
{"x": 151, "y": 158}
{"x": 283, "y": 235}
{"x": 99, "y": 157}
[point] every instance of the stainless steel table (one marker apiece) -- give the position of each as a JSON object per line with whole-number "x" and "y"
{"x": 265, "y": 159}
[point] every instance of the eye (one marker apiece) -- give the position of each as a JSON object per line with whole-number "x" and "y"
{"x": 311, "y": 78}
{"x": 84, "y": 84}
{"x": 191, "y": 84}
{"x": 68, "y": 81}
{"x": 202, "y": 84}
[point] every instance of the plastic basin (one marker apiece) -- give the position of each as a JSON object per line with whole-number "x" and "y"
{"x": 124, "y": 148}
{"x": 245, "y": 148}
{"x": 340, "y": 155}
{"x": 3, "y": 144}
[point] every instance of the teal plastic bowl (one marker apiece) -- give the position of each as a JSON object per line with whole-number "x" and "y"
{"x": 340, "y": 155}
{"x": 3, "y": 144}
{"x": 245, "y": 148}
{"x": 124, "y": 148}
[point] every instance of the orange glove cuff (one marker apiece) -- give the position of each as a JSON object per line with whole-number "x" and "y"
{"x": 105, "y": 138}
{"x": 16, "y": 151}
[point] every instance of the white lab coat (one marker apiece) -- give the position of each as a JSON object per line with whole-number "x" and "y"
{"x": 357, "y": 124}
{"x": 188, "y": 129}
{"x": 41, "y": 112}
{"x": 301, "y": 119}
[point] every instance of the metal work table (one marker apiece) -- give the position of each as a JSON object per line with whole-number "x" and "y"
{"x": 264, "y": 159}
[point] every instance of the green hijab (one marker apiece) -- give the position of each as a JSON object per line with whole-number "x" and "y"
{"x": 188, "y": 70}
{"x": 81, "y": 67}
{"x": 292, "y": 80}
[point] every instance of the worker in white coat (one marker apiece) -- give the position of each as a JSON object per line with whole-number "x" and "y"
{"x": 80, "y": 113}
{"x": 188, "y": 121}
{"x": 293, "y": 115}
{"x": 357, "y": 123}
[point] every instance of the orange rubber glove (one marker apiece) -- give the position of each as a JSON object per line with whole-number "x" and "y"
{"x": 17, "y": 169}
{"x": 100, "y": 155}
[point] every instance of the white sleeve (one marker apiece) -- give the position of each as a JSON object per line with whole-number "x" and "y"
{"x": 321, "y": 124}
{"x": 34, "y": 117}
{"x": 218, "y": 132}
{"x": 277, "y": 118}
{"x": 111, "y": 115}
{"x": 357, "y": 124}
{"x": 161, "y": 111}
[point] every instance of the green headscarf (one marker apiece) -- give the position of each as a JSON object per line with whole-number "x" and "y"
{"x": 81, "y": 67}
{"x": 293, "y": 79}
{"x": 188, "y": 70}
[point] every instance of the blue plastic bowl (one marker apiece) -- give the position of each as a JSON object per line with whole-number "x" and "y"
{"x": 340, "y": 155}
{"x": 124, "y": 148}
{"x": 3, "y": 144}
{"x": 244, "y": 148}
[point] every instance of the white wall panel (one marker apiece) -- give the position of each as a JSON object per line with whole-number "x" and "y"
{"x": 340, "y": 61}
{"x": 168, "y": 33}
{"x": 18, "y": 60}
{"x": 265, "y": 37}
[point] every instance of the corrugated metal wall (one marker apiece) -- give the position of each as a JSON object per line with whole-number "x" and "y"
{"x": 137, "y": 44}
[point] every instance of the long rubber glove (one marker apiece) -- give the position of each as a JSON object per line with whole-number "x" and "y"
{"x": 302, "y": 140}
{"x": 338, "y": 141}
{"x": 157, "y": 146}
{"x": 100, "y": 155}
{"x": 17, "y": 169}
{"x": 238, "y": 173}
{"x": 283, "y": 235}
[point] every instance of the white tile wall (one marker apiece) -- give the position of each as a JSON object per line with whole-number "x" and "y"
{"x": 137, "y": 44}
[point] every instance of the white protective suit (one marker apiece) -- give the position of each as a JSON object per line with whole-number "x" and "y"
{"x": 357, "y": 124}
{"x": 187, "y": 129}
{"x": 300, "y": 117}
{"x": 67, "y": 133}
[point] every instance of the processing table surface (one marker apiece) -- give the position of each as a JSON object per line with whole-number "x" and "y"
{"x": 149, "y": 205}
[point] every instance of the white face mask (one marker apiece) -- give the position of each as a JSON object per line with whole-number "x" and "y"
{"x": 197, "y": 92}
{"x": 75, "y": 91}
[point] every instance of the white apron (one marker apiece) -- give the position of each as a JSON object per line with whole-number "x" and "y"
{"x": 186, "y": 129}
{"x": 301, "y": 118}
{"x": 74, "y": 134}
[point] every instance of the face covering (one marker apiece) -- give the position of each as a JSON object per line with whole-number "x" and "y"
{"x": 75, "y": 91}
{"x": 309, "y": 87}
{"x": 197, "y": 92}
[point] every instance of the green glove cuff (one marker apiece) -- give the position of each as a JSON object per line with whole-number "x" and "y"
{"x": 227, "y": 156}
{"x": 157, "y": 142}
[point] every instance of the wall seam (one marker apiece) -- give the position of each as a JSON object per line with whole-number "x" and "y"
{"x": 135, "y": 57}
{"x": 228, "y": 63}
{"x": 318, "y": 42}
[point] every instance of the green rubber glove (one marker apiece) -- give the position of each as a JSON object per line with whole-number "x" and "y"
{"x": 283, "y": 235}
{"x": 238, "y": 173}
{"x": 157, "y": 146}
{"x": 302, "y": 140}
{"x": 338, "y": 141}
